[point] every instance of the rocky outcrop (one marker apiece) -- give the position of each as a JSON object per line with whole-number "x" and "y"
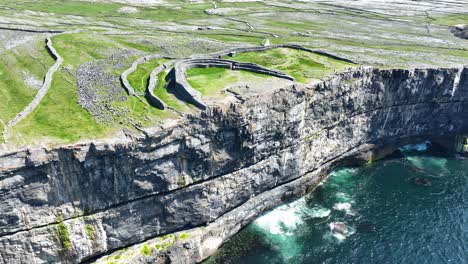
{"x": 40, "y": 94}
{"x": 460, "y": 31}
{"x": 211, "y": 174}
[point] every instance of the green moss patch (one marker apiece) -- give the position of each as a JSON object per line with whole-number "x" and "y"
{"x": 184, "y": 236}
{"x": 90, "y": 232}
{"x": 64, "y": 235}
{"x": 146, "y": 250}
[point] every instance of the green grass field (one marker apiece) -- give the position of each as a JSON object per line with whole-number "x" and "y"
{"x": 110, "y": 10}
{"x": 169, "y": 99}
{"x": 451, "y": 20}
{"x": 60, "y": 119}
{"x": 14, "y": 67}
{"x": 213, "y": 81}
{"x": 179, "y": 29}
{"x": 140, "y": 77}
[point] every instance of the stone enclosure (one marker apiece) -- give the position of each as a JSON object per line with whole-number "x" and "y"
{"x": 177, "y": 82}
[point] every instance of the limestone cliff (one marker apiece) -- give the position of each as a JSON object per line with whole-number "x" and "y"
{"x": 211, "y": 174}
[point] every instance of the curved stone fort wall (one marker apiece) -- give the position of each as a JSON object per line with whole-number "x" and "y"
{"x": 153, "y": 82}
{"x": 124, "y": 77}
{"x": 187, "y": 93}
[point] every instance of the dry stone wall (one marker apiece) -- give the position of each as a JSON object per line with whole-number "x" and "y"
{"x": 233, "y": 52}
{"x": 40, "y": 94}
{"x": 124, "y": 77}
{"x": 187, "y": 93}
{"x": 152, "y": 84}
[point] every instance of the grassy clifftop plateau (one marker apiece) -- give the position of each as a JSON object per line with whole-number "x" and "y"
{"x": 99, "y": 40}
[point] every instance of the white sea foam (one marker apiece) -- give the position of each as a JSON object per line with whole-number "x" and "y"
{"x": 319, "y": 212}
{"x": 281, "y": 225}
{"x": 417, "y": 147}
{"x": 341, "y": 230}
{"x": 281, "y": 221}
{"x": 287, "y": 218}
{"x": 342, "y": 207}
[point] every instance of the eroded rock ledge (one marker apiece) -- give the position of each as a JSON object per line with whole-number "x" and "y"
{"x": 211, "y": 174}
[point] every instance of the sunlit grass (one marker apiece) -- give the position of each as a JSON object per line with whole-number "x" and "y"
{"x": 213, "y": 81}
{"x": 303, "y": 66}
{"x": 15, "y": 92}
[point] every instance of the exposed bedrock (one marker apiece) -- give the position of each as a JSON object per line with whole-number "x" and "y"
{"x": 216, "y": 171}
{"x": 460, "y": 31}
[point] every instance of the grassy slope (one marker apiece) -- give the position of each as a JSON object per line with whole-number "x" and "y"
{"x": 141, "y": 113}
{"x": 169, "y": 99}
{"x": 14, "y": 92}
{"x": 140, "y": 77}
{"x": 59, "y": 117}
{"x": 451, "y": 20}
{"x": 303, "y": 66}
{"x": 64, "y": 120}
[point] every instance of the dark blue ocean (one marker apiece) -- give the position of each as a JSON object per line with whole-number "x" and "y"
{"x": 411, "y": 208}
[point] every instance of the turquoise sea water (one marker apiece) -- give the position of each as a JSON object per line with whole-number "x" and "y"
{"x": 389, "y": 217}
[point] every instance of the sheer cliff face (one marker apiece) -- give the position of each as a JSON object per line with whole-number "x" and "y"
{"x": 215, "y": 171}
